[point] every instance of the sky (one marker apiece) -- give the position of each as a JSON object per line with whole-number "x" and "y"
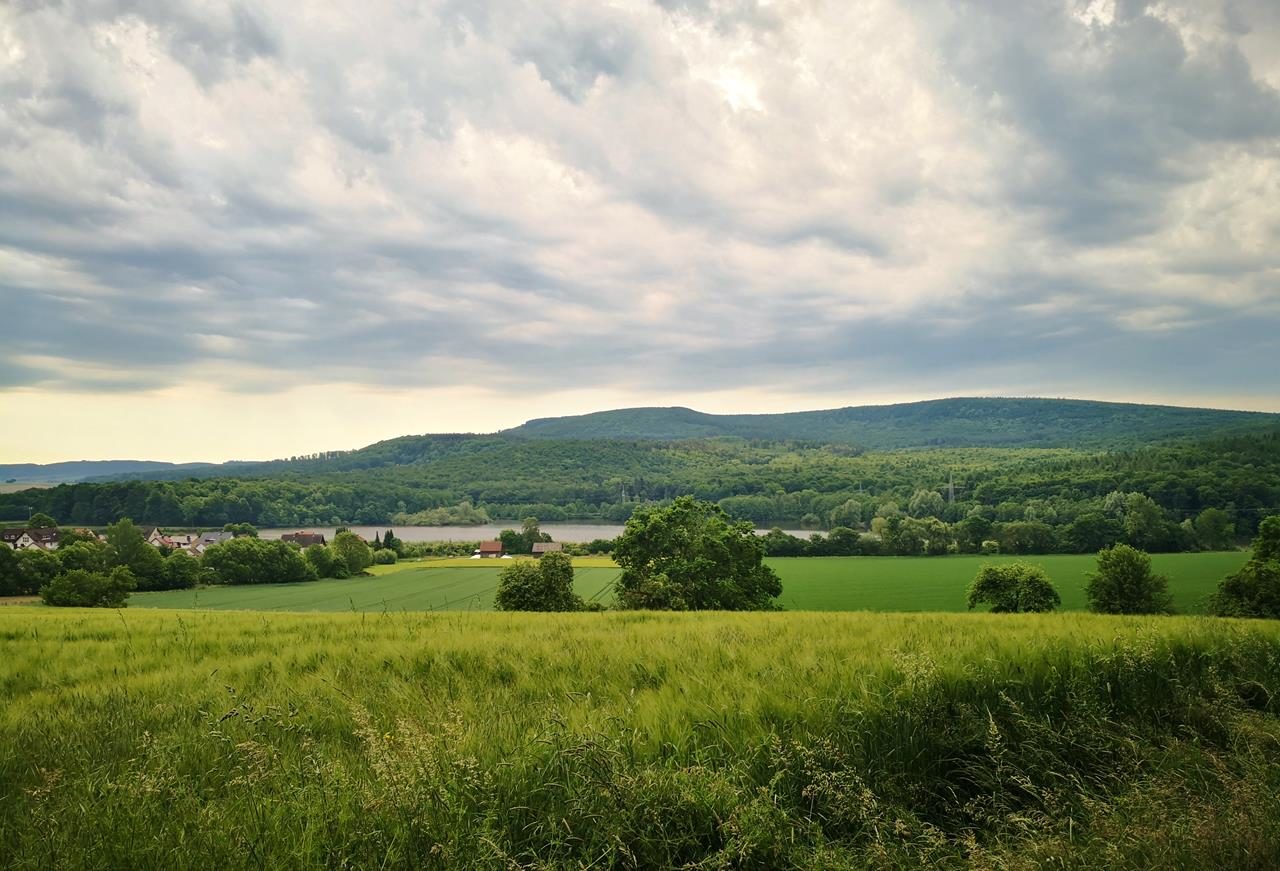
{"x": 252, "y": 230}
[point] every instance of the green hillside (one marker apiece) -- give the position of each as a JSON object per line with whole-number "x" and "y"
{"x": 941, "y": 422}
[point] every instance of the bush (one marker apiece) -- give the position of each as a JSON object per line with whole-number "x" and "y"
{"x": 1254, "y": 591}
{"x": 1125, "y": 584}
{"x": 384, "y": 557}
{"x": 1013, "y": 588}
{"x": 256, "y": 561}
{"x": 352, "y": 550}
{"x": 546, "y": 585}
{"x": 325, "y": 563}
{"x": 990, "y": 547}
{"x": 80, "y": 589}
{"x": 36, "y": 568}
{"x": 181, "y": 571}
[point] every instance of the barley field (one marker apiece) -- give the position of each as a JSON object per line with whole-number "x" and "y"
{"x": 189, "y": 739}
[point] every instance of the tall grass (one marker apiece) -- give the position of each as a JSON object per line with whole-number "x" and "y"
{"x": 200, "y": 739}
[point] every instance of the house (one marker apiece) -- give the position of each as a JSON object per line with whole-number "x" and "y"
{"x": 490, "y": 549}
{"x": 304, "y": 540}
{"x": 541, "y": 547}
{"x": 208, "y": 540}
{"x": 21, "y": 539}
{"x": 176, "y": 541}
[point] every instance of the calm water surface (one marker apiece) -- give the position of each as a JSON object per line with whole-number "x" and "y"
{"x": 568, "y": 532}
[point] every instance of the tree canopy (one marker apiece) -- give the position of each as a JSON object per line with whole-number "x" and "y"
{"x": 1013, "y": 588}
{"x": 1124, "y": 584}
{"x": 544, "y": 585}
{"x": 691, "y": 556}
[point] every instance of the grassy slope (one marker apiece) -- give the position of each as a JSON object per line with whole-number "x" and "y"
{"x": 809, "y": 584}
{"x": 156, "y": 739}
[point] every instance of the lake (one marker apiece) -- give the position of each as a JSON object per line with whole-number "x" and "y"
{"x": 567, "y": 532}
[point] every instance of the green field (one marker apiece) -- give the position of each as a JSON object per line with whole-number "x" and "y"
{"x": 164, "y": 739}
{"x": 808, "y": 583}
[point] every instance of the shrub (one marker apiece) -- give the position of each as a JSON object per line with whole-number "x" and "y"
{"x": 1125, "y": 584}
{"x": 546, "y": 585}
{"x": 81, "y": 589}
{"x": 990, "y": 547}
{"x": 256, "y": 561}
{"x": 384, "y": 557}
{"x": 325, "y": 563}
{"x": 1254, "y": 591}
{"x": 1012, "y": 588}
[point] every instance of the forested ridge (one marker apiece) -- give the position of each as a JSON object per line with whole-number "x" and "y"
{"x": 473, "y": 478}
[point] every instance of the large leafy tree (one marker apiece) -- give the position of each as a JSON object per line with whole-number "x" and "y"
{"x": 9, "y": 580}
{"x": 128, "y": 547}
{"x": 1254, "y": 591}
{"x": 1125, "y": 584}
{"x": 1012, "y": 588}
{"x": 545, "y": 585}
{"x": 36, "y": 568}
{"x": 352, "y": 550}
{"x": 691, "y": 556}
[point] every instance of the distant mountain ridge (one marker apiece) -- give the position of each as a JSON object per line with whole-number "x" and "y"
{"x": 79, "y": 470}
{"x": 950, "y": 423}
{"x": 958, "y": 422}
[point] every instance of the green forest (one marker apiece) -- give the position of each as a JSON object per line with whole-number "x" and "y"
{"x": 1076, "y": 494}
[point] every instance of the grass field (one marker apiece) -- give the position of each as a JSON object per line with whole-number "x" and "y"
{"x": 808, "y": 583}
{"x": 159, "y": 739}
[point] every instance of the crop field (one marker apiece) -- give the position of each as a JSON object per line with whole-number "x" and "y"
{"x": 808, "y": 583}
{"x": 163, "y": 739}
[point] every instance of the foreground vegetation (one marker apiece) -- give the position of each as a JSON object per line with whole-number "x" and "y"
{"x": 808, "y": 584}
{"x": 639, "y": 740}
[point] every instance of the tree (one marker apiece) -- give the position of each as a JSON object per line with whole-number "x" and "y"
{"x": 1013, "y": 588}
{"x": 512, "y": 541}
{"x": 926, "y": 503}
{"x": 1267, "y": 545}
{"x": 256, "y": 561}
{"x": 128, "y": 547}
{"x": 1254, "y": 591}
{"x": 8, "y": 571}
{"x": 530, "y": 534}
{"x": 36, "y": 568}
{"x": 389, "y": 540}
{"x": 1213, "y": 529}
{"x": 85, "y": 555}
{"x": 325, "y": 563}
{"x": 689, "y": 555}
{"x": 1144, "y": 523}
{"x": 241, "y": 529}
{"x": 181, "y": 571}
{"x": 351, "y": 549}
{"x": 545, "y": 585}
{"x": 1125, "y": 584}
{"x": 1091, "y": 532}
{"x": 80, "y": 589}
{"x": 40, "y": 520}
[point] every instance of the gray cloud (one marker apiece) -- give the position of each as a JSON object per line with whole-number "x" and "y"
{"x": 673, "y": 196}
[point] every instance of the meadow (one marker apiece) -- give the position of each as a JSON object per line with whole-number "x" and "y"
{"x": 163, "y": 739}
{"x": 808, "y": 583}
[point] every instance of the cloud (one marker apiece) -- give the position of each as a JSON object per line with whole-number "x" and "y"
{"x": 676, "y": 197}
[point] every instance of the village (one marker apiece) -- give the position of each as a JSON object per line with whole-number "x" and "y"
{"x": 196, "y": 543}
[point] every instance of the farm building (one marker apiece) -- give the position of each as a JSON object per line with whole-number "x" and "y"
{"x": 490, "y": 549}
{"x": 21, "y": 539}
{"x": 208, "y": 540}
{"x": 304, "y": 539}
{"x": 541, "y": 547}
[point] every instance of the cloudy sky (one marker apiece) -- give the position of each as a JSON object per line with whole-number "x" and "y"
{"x": 257, "y": 229}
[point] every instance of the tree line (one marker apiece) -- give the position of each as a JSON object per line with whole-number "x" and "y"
{"x": 768, "y": 483}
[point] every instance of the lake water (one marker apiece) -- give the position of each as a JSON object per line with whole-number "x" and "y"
{"x": 566, "y": 532}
